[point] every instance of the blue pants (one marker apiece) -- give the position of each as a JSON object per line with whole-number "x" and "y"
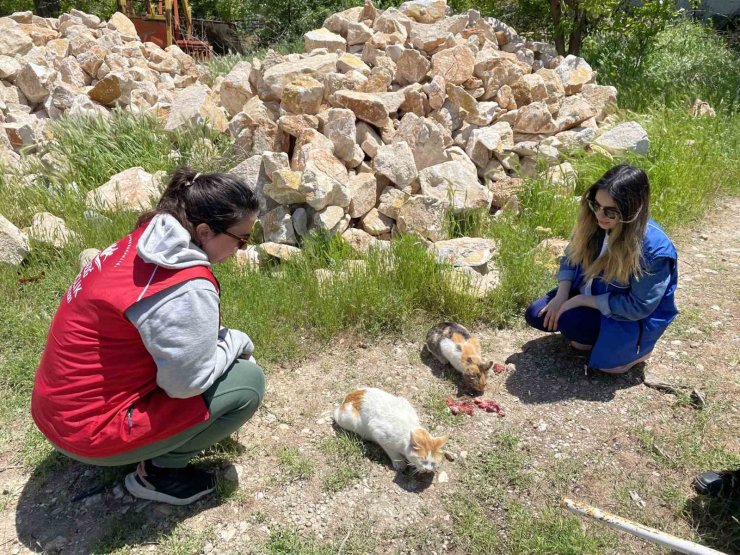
{"x": 579, "y": 324}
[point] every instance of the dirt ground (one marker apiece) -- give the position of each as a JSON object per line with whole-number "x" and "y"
{"x": 562, "y": 416}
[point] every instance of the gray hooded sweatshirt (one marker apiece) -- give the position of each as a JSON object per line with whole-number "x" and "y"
{"x": 180, "y": 325}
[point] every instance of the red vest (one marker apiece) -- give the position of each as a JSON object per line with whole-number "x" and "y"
{"x": 95, "y": 393}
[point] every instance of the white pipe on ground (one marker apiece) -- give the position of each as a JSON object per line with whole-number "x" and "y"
{"x": 644, "y": 532}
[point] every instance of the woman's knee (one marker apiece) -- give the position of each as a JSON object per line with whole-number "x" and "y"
{"x": 532, "y": 314}
{"x": 580, "y": 324}
{"x": 242, "y": 386}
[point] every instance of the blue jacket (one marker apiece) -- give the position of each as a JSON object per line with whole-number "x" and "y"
{"x": 635, "y": 314}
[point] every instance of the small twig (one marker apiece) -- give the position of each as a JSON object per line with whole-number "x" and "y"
{"x": 662, "y": 453}
{"x": 341, "y": 546}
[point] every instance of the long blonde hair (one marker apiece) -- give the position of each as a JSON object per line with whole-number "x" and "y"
{"x": 630, "y": 189}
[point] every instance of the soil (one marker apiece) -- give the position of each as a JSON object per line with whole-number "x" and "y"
{"x": 561, "y": 415}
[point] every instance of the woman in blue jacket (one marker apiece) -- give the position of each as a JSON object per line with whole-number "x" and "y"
{"x": 617, "y": 279}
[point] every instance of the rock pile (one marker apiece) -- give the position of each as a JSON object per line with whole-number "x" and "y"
{"x": 389, "y": 120}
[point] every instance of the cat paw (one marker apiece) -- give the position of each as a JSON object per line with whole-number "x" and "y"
{"x": 399, "y": 465}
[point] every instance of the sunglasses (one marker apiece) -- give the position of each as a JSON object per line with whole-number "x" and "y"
{"x": 610, "y": 212}
{"x": 242, "y": 240}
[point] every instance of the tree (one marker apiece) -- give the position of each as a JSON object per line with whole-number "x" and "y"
{"x": 567, "y": 23}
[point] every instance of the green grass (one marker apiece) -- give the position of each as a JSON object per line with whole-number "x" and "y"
{"x": 352, "y": 541}
{"x": 498, "y": 470}
{"x": 695, "y": 443}
{"x": 294, "y": 464}
{"x": 345, "y": 453}
{"x": 691, "y": 162}
{"x": 491, "y": 518}
{"x": 685, "y": 61}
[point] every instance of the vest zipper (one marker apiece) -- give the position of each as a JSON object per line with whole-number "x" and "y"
{"x": 639, "y": 336}
{"x": 129, "y": 418}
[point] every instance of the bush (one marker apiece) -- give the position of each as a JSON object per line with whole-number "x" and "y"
{"x": 687, "y": 60}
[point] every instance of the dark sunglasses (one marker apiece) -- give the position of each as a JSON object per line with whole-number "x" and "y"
{"x": 242, "y": 240}
{"x": 610, "y": 212}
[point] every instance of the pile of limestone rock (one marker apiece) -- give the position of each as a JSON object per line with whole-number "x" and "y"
{"x": 387, "y": 123}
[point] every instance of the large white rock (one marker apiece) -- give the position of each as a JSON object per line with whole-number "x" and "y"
{"x": 277, "y": 76}
{"x": 487, "y": 141}
{"x": 625, "y": 137}
{"x": 35, "y": 81}
{"x": 323, "y": 38}
{"x": 534, "y": 118}
{"x": 131, "y": 189}
{"x": 9, "y": 67}
{"x": 285, "y": 187}
{"x": 376, "y": 223}
{"x": 14, "y": 41}
{"x": 332, "y": 219}
{"x": 574, "y": 72}
{"x": 396, "y": 162}
{"x": 193, "y": 105}
{"x": 424, "y": 215}
{"x": 277, "y": 226}
{"x": 236, "y": 88}
{"x": 455, "y": 184}
{"x": 411, "y": 67}
{"x": 341, "y": 130}
{"x": 563, "y": 176}
{"x": 361, "y": 240}
{"x": 454, "y": 64}
{"x": 424, "y": 11}
{"x": 13, "y": 243}
{"x": 603, "y": 99}
{"x": 466, "y": 251}
{"x": 426, "y": 137}
{"x": 325, "y": 181}
{"x": 50, "y": 229}
{"x": 122, "y": 24}
{"x": 363, "y": 190}
{"x": 391, "y": 200}
{"x": 303, "y": 95}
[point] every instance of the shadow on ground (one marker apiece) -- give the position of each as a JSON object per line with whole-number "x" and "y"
{"x": 716, "y": 521}
{"x": 408, "y": 479}
{"x": 70, "y": 508}
{"x": 445, "y": 372}
{"x": 548, "y": 371}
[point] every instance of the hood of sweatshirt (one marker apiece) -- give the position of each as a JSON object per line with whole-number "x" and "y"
{"x": 166, "y": 243}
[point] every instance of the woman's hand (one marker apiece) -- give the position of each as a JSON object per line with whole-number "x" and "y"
{"x": 552, "y": 310}
{"x": 575, "y": 302}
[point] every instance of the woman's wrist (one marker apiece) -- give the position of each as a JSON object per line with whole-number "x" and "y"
{"x": 564, "y": 289}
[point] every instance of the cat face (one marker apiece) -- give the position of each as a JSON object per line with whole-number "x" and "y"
{"x": 426, "y": 451}
{"x": 476, "y": 369}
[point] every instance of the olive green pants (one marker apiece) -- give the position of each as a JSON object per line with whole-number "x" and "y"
{"x": 231, "y": 401}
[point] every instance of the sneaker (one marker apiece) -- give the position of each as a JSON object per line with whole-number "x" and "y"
{"x": 718, "y": 484}
{"x": 176, "y": 486}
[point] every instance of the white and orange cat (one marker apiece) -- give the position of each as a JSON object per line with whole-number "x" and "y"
{"x": 454, "y": 344}
{"x": 392, "y": 423}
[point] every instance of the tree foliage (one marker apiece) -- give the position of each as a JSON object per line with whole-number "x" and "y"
{"x": 567, "y": 23}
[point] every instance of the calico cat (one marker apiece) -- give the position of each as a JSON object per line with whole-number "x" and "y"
{"x": 452, "y": 343}
{"x": 392, "y": 423}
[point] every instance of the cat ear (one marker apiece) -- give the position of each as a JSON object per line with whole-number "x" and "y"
{"x": 440, "y": 441}
{"x": 415, "y": 439}
{"x": 488, "y": 366}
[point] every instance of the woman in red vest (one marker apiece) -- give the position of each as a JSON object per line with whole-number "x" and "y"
{"x": 137, "y": 368}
